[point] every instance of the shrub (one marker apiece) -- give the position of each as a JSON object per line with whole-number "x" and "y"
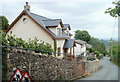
{"x": 9, "y": 40}
{"x": 90, "y": 50}
{"x": 90, "y": 58}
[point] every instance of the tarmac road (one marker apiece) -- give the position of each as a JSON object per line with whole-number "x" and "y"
{"x": 109, "y": 71}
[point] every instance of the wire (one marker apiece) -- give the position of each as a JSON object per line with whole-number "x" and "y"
{"x": 113, "y": 28}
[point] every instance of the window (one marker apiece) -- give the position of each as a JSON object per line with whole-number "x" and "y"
{"x": 58, "y": 31}
{"x": 68, "y": 33}
{"x": 24, "y": 20}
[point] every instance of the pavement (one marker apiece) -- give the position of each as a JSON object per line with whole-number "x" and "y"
{"x": 109, "y": 71}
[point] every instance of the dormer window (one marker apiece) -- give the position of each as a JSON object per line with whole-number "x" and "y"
{"x": 68, "y": 33}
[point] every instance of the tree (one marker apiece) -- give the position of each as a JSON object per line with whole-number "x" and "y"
{"x": 115, "y": 12}
{"x": 3, "y": 23}
{"x": 82, "y": 35}
{"x": 98, "y": 45}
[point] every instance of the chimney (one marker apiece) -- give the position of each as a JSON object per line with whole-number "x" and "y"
{"x": 27, "y": 7}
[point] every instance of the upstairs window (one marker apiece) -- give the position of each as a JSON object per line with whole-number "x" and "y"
{"x": 68, "y": 33}
{"x": 24, "y": 20}
{"x": 59, "y": 31}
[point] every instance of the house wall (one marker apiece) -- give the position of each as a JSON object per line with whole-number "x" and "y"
{"x": 83, "y": 49}
{"x": 79, "y": 49}
{"x": 30, "y": 29}
{"x": 72, "y": 53}
{"x": 60, "y": 43}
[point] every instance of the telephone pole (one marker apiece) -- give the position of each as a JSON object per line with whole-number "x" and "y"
{"x": 111, "y": 47}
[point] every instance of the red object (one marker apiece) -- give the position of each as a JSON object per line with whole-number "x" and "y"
{"x": 17, "y": 70}
{"x": 23, "y": 76}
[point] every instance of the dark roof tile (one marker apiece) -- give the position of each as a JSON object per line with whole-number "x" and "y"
{"x": 69, "y": 43}
{"x": 41, "y": 20}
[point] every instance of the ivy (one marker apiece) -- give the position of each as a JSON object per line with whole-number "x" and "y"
{"x": 55, "y": 46}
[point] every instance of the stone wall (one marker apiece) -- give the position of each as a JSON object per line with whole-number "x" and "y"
{"x": 92, "y": 66}
{"x": 43, "y": 67}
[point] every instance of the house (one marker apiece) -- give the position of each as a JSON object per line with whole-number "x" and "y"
{"x": 80, "y": 48}
{"x": 53, "y": 31}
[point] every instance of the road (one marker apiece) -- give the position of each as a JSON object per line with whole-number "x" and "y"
{"x": 108, "y": 72}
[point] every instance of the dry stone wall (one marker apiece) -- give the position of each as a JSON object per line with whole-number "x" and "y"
{"x": 47, "y": 67}
{"x": 92, "y": 66}
{"x": 43, "y": 67}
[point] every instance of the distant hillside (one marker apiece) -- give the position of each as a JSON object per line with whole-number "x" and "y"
{"x": 107, "y": 43}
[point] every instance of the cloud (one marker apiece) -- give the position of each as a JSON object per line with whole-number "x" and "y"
{"x": 57, "y": 0}
{"x": 47, "y": 13}
{"x": 82, "y": 15}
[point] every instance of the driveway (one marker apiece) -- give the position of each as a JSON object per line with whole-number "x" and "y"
{"x": 108, "y": 72}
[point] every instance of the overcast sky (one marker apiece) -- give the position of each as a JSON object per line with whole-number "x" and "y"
{"x": 80, "y": 14}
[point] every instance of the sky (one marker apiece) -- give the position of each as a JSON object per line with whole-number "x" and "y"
{"x": 80, "y": 14}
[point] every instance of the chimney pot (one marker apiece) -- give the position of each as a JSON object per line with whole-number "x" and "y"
{"x": 27, "y": 7}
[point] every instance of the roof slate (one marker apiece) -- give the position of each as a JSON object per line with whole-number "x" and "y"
{"x": 43, "y": 21}
{"x": 65, "y": 26}
{"x": 69, "y": 43}
{"x": 52, "y": 22}
{"x": 80, "y": 42}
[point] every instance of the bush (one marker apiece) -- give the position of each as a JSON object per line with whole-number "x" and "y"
{"x": 33, "y": 44}
{"x": 90, "y": 58}
{"x": 8, "y": 40}
{"x": 90, "y": 50}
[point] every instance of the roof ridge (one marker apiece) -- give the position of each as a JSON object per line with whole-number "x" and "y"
{"x": 39, "y": 15}
{"x": 51, "y": 19}
{"x": 66, "y": 24}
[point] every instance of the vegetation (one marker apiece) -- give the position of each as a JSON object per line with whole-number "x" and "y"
{"x": 114, "y": 12}
{"x": 34, "y": 44}
{"x": 114, "y": 49}
{"x": 55, "y": 46}
{"x": 18, "y": 42}
{"x": 82, "y": 35}
{"x": 3, "y": 23}
{"x": 98, "y": 45}
{"x": 114, "y": 53}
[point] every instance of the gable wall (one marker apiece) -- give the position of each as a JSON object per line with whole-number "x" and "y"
{"x": 30, "y": 29}
{"x": 78, "y": 49}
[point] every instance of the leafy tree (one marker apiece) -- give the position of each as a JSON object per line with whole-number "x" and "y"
{"x": 98, "y": 45}
{"x": 82, "y": 35}
{"x": 3, "y": 23}
{"x": 115, "y": 12}
{"x": 115, "y": 57}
